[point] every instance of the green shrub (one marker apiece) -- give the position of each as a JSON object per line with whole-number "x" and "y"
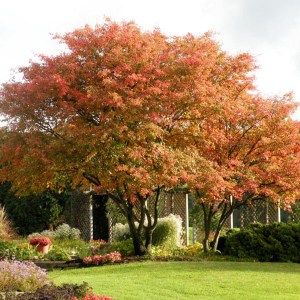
{"x": 58, "y": 253}
{"x": 124, "y": 247}
{"x": 62, "y": 232}
{"x": 275, "y": 242}
{"x": 121, "y": 232}
{"x": 12, "y": 250}
{"x": 65, "y": 232}
{"x": 168, "y": 232}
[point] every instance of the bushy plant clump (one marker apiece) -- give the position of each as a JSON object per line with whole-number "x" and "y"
{"x": 121, "y": 232}
{"x": 58, "y": 253}
{"x": 65, "y": 232}
{"x": 13, "y": 250}
{"x": 62, "y": 232}
{"x": 125, "y": 248}
{"x": 21, "y": 276}
{"x": 167, "y": 232}
{"x": 98, "y": 259}
{"x": 275, "y": 242}
{"x": 177, "y": 253}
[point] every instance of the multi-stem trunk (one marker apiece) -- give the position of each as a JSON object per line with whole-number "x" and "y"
{"x": 208, "y": 215}
{"x": 141, "y": 247}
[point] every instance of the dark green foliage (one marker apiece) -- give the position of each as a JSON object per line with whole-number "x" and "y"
{"x": 52, "y": 292}
{"x": 294, "y": 216}
{"x": 32, "y": 213}
{"x": 275, "y": 242}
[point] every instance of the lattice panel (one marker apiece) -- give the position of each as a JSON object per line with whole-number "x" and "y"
{"x": 169, "y": 203}
{"x": 77, "y": 213}
{"x": 264, "y": 212}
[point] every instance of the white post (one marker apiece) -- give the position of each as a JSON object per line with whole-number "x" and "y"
{"x": 91, "y": 217}
{"x": 187, "y": 219}
{"x": 278, "y": 212}
{"x": 231, "y": 215}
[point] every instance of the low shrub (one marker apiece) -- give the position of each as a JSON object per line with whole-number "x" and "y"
{"x": 100, "y": 247}
{"x": 21, "y": 276}
{"x": 58, "y": 253}
{"x": 167, "y": 232}
{"x": 121, "y": 232}
{"x": 161, "y": 252}
{"x": 179, "y": 252}
{"x": 192, "y": 250}
{"x": 98, "y": 259}
{"x": 12, "y": 250}
{"x": 275, "y": 242}
{"x": 62, "y": 232}
{"x": 65, "y": 232}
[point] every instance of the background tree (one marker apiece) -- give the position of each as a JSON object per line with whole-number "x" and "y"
{"x": 253, "y": 146}
{"x": 32, "y": 213}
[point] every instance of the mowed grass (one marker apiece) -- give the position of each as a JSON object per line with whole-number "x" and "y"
{"x": 189, "y": 280}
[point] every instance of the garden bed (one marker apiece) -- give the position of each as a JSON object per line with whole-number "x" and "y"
{"x": 59, "y": 264}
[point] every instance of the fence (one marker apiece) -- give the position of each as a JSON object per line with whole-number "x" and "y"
{"x": 79, "y": 213}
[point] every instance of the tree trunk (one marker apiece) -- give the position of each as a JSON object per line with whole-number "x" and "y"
{"x": 127, "y": 208}
{"x": 216, "y": 240}
{"x": 139, "y": 247}
{"x": 148, "y": 242}
{"x": 227, "y": 210}
{"x": 207, "y": 227}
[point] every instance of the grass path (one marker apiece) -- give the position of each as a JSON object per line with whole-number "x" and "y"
{"x": 190, "y": 280}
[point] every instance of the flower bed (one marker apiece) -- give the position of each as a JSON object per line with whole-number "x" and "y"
{"x": 97, "y": 259}
{"x": 21, "y": 276}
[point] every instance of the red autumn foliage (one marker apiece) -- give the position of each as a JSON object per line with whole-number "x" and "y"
{"x": 132, "y": 113}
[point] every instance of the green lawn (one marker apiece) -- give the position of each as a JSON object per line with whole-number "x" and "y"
{"x": 190, "y": 280}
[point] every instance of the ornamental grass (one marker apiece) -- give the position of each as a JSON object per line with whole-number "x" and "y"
{"x": 6, "y": 229}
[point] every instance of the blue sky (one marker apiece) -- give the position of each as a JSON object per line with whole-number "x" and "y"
{"x": 268, "y": 29}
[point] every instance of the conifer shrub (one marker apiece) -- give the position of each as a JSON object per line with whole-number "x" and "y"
{"x": 275, "y": 242}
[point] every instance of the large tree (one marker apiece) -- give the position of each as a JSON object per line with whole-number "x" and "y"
{"x": 131, "y": 113}
{"x": 98, "y": 116}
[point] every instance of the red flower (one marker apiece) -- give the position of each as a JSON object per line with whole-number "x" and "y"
{"x": 40, "y": 240}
